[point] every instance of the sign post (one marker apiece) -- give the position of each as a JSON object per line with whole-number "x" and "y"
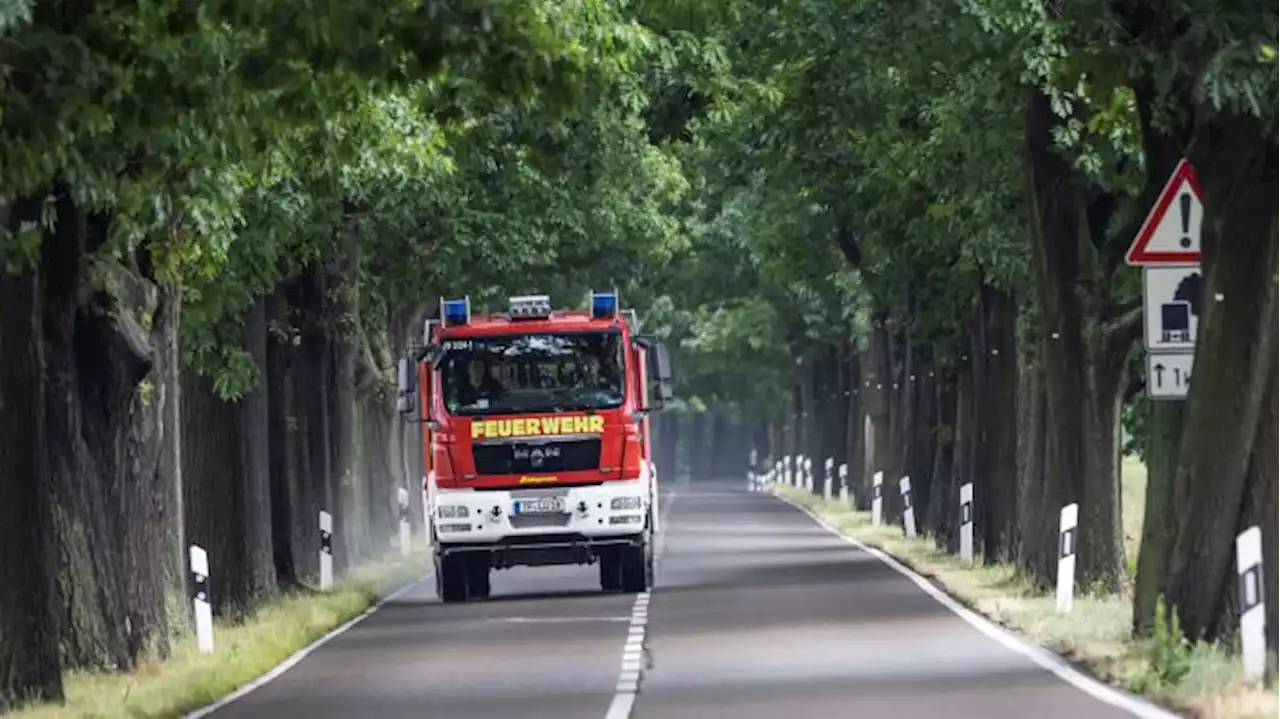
{"x": 1167, "y": 248}
{"x": 966, "y": 522}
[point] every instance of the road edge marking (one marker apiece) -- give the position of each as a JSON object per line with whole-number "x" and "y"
{"x": 1040, "y": 656}
{"x": 293, "y": 659}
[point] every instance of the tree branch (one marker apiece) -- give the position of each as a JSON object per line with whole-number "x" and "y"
{"x": 1126, "y": 328}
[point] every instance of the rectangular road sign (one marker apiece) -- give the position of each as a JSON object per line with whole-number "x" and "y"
{"x": 1169, "y": 375}
{"x": 1170, "y": 307}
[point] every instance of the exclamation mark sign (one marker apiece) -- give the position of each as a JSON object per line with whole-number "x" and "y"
{"x": 1184, "y": 203}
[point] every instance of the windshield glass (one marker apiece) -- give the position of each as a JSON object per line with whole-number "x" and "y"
{"x": 532, "y": 373}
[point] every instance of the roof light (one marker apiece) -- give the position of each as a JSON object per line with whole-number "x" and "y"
{"x": 604, "y": 304}
{"x": 530, "y": 307}
{"x": 455, "y": 312}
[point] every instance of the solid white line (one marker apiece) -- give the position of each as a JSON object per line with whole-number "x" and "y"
{"x": 1042, "y": 657}
{"x": 292, "y": 660}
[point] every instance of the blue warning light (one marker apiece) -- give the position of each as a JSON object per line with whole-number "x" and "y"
{"x": 604, "y": 304}
{"x": 455, "y": 312}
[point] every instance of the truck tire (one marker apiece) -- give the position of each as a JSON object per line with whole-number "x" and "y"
{"x": 610, "y": 570}
{"x": 478, "y": 577}
{"x": 636, "y": 567}
{"x": 451, "y": 579}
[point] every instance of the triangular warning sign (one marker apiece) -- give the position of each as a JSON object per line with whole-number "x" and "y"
{"x": 1171, "y": 233}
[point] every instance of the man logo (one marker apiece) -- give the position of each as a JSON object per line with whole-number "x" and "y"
{"x": 536, "y": 458}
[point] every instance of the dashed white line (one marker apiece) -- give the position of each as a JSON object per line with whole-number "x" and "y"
{"x": 624, "y": 697}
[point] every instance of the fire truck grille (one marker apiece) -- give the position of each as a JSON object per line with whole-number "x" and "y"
{"x": 519, "y": 458}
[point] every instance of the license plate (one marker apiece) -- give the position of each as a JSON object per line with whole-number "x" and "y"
{"x": 541, "y": 505}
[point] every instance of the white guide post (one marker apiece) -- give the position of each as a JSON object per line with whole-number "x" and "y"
{"x": 827, "y": 478}
{"x": 1067, "y": 556}
{"x": 808, "y": 474}
{"x": 844, "y": 485}
{"x": 877, "y": 498}
{"x": 326, "y": 551}
{"x": 908, "y": 511}
{"x": 199, "y": 560}
{"x": 966, "y": 522}
{"x": 403, "y": 497}
{"x": 1253, "y": 612}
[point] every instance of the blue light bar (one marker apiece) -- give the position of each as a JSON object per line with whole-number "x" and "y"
{"x": 604, "y": 304}
{"x": 455, "y": 312}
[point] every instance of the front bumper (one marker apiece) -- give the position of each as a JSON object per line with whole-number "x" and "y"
{"x": 612, "y": 509}
{"x": 596, "y": 519}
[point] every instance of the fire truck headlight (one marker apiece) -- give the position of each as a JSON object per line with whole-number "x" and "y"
{"x": 625, "y": 503}
{"x": 456, "y": 511}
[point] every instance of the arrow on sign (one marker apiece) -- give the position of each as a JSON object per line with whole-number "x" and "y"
{"x": 1159, "y": 375}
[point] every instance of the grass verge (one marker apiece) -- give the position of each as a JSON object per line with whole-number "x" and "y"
{"x": 1201, "y": 681}
{"x": 189, "y": 680}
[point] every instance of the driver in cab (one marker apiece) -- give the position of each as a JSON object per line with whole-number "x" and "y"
{"x": 481, "y": 384}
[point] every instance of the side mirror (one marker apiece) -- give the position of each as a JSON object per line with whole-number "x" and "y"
{"x": 662, "y": 372}
{"x": 406, "y": 385}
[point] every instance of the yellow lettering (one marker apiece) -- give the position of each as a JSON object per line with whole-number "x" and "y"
{"x": 538, "y": 480}
{"x": 534, "y": 426}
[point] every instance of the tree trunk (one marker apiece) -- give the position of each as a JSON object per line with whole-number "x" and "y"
{"x": 253, "y": 441}
{"x": 935, "y": 514}
{"x": 996, "y": 394}
{"x": 343, "y": 323}
{"x": 1235, "y": 360}
{"x": 30, "y": 624}
{"x": 1085, "y": 358}
{"x": 1038, "y": 536}
{"x": 95, "y": 356}
{"x": 1165, "y": 433}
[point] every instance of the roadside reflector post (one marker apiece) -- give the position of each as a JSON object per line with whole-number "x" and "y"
{"x": 908, "y": 511}
{"x": 326, "y": 551}
{"x": 966, "y": 522}
{"x": 1253, "y": 612}
{"x": 844, "y": 485}
{"x": 403, "y": 495}
{"x": 877, "y": 498}
{"x": 827, "y": 478}
{"x": 200, "y": 598}
{"x": 1067, "y": 556}
{"x": 786, "y": 470}
{"x": 808, "y": 474}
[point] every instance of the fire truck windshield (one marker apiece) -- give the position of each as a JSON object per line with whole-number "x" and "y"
{"x": 532, "y": 373}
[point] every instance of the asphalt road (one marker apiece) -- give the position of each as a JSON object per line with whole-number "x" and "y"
{"x": 757, "y": 612}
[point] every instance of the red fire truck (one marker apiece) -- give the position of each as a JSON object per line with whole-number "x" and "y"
{"x": 535, "y": 437}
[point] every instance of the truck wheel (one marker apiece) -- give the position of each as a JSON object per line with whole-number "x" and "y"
{"x": 636, "y": 568}
{"x": 478, "y": 577}
{"x": 451, "y": 579}
{"x": 610, "y": 570}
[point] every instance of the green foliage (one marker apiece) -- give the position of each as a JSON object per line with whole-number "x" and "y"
{"x": 1169, "y": 657}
